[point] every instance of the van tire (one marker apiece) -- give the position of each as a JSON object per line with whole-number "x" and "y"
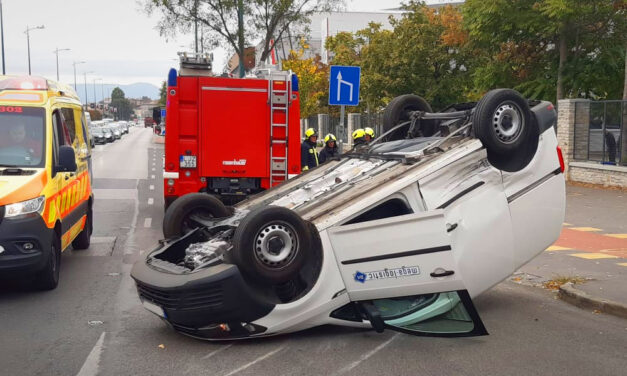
{"x": 177, "y": 222}
{"x": 260, "y": 260}
{"x": 83, "y": 240}
{"x": 505, "y": 125}
{"x": 48, "y": 278}
{"x": 398, "y": 111}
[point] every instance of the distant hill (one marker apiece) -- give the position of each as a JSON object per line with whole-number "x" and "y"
{"x": 137, "y": 90}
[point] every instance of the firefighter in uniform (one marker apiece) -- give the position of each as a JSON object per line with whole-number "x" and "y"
{"x": 359, "y": 137}
{"x": 330, "y": 148}
{"x": 369, "y": 134}
{"x": 308, "y": 153}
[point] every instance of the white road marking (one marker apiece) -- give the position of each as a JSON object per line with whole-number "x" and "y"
{"x": 91, "y": 365}
{"x": 216, "y": 351}
{"x": 152, "y": 187}
{"x": 152, "y": 176}
{"x": 154, "y": 169}
{"x": 147, "y": 222}
{"x": 263, "y": 357}
{"x": 151, "y": 201}
{"x": 367, "y": 355}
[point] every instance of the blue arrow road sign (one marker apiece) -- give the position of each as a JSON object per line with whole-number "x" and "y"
{"x": 163, "y": 113}
{"x": 344, "y": 85}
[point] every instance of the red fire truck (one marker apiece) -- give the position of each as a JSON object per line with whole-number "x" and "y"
{"x": 228, "y": 137}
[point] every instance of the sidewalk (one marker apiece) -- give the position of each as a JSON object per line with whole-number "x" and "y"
{"x": 591, "y": 253}
{"x": 156, "y": 139}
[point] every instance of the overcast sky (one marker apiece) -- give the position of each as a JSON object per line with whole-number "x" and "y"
{"x": 116, "y": 38}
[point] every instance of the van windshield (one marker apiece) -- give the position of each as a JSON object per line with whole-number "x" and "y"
{"x": 22, "y": 135}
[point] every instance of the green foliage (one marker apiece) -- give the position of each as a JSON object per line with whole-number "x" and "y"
{"x": 425, "y": 54}
{"x": 123, "y": 105}
{"x": 117, "y": 93}
{"x": 517, "y": 43}
{"x": 163, "y": 94}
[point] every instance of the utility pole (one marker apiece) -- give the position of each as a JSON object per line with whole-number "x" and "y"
{"x": 2, "y": 36}
{"x": 28, "y": 29}
{"x": 57, "y": 53}
{"x": 240, "y": 32}
{"x": 75, "y": 64}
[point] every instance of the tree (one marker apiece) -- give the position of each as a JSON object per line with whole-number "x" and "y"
{"x": 548, "y": 48}
{"x": 424, "y": 54}
{"x": 268, "y": 19}
{"x": 163, "y": 94}
{"x": 117, "y": 93}
{"x": 123, "y": 106}
{"x": 313, "y": 80}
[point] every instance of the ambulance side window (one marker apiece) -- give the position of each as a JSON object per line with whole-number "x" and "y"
{"x": 70, "y": 123}
{"x": 55, "y": 140}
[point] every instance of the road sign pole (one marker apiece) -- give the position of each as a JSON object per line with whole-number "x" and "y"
{"x": 342, "y": 129}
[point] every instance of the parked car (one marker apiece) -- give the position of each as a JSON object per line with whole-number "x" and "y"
{"x": 115, "y": 129}
{"x": 399, "y": 234}
{"x": 98, "y": 134}
{"x": 108, "y": 134}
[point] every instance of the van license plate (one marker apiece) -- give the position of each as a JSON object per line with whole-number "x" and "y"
{"x": 153, "y": 308}
{"x": 187, "y": 161}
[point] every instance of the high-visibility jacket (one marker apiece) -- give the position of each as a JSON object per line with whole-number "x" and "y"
{"x": 308, "y": 155}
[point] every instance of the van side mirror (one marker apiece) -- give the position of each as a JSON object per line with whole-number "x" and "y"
{"x": 67, "y": 159}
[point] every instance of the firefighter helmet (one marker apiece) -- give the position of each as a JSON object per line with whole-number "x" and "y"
{"x": 310, "y": 132}
{"x": 358, "y": 134}
{"x": 329, "y": 137}
{"x": 369, "y": 131}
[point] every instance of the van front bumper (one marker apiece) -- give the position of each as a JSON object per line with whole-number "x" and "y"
{"x": 26, "y": 244}
{"x": 214, "y": 303}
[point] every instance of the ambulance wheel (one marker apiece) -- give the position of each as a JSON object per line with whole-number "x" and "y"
{"x": 503, "y": 122}
{"x": 399, "y": 110}
{"x": 178, "y": 219}
{"x": 83, "y": 239}
{"x": 271, "y": 244}
{"x": 48, "y": 278}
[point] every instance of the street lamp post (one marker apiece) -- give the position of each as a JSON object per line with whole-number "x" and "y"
{"x": 86, "y": 99}
{"x": 57, "y": 53}
{"x": 75, "y": 64}
{"x": 28, "y": 29}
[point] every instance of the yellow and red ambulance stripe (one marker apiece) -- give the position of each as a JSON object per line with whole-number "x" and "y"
{"x": 69, "y": 198}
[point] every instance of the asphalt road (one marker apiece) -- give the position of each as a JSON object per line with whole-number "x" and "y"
{"x": 93, "y": 323}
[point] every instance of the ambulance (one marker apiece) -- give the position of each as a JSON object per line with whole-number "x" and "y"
{"x": 46, "y": 199}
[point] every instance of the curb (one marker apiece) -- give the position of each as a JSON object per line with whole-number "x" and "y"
{"x": 570, "y": 294}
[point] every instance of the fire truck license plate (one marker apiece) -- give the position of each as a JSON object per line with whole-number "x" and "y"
{"x": 187, "y": 161}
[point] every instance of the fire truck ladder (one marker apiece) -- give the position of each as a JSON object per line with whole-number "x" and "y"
{"x": 279, "y": 100}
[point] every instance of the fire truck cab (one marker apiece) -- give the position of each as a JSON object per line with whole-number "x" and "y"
{"x": 229, "y": 137}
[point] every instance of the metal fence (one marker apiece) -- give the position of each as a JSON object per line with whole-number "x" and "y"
{"x": 601, "y": 132}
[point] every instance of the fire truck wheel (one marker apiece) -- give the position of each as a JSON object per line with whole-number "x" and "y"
{"x": 271, "y": 244}
{"x": 503, "y": 122}
{"x": 398, "y": 111}
{"x": 178, "y": 219}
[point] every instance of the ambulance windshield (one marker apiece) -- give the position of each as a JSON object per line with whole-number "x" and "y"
{"x": 22, "y": 135}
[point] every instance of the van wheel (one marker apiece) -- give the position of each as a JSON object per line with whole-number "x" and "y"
{"x": 48, "y": 278}
{"x": 271, "y": 244}
{"x": 503, "y": 122}
{"x": 83, "y": 239}
{"x": 178, "y": 218}
{"x": 398, "y": 111}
